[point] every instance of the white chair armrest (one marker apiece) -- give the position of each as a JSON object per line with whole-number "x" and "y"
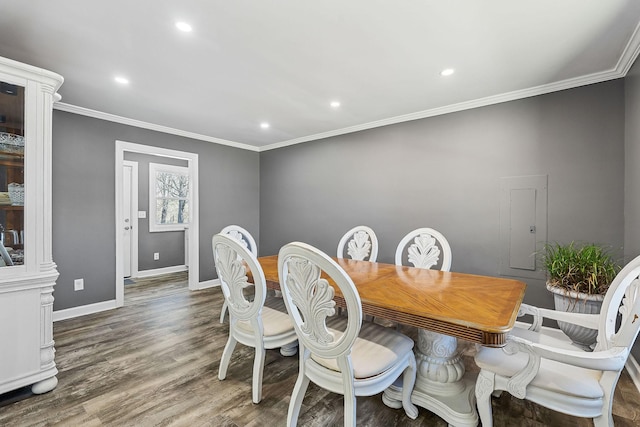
{"x": 581, "y": 319}
{"x": 612, "y": 359}
{"x": 533, "y": 311}
{"x": 607, "y": 360}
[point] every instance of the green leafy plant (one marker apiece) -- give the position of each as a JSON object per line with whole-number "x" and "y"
{"x": 587, "y": 268}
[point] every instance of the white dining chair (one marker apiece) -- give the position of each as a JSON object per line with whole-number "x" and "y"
{"x": 424, "y": 248}
{"x": 247, "y": 240}
{"x": 339, "y": 353}
{"x": 254, "y": 320}
{"x": 547, "y": 369}
{"x": 360, "y": 243}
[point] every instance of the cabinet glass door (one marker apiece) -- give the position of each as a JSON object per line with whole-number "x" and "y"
{"x": 11, "y": 174}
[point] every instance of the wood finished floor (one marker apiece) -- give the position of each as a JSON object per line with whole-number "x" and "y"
{"x": 155, "y": 361}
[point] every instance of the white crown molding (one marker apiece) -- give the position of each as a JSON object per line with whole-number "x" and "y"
{"x": 62, "y": 106}
{"x": 626, "y": 60}
{"x": 462, "y": 106}
{"x": 630, "y": 53}
{"x": 623, "y": 66}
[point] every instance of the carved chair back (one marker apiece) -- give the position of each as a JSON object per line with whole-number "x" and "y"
{"x": 243, "y": 236}
{"x": 360, "y": 243}
{"x": 232, "y": 260}
{"x": 247, "y": 241}
{"x": 309, "y": 301}
{"x": 620, "y": 312}
{"x": 424, "y": 248}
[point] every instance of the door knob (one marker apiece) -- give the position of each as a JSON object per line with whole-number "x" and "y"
{"x": 126, "y": 228}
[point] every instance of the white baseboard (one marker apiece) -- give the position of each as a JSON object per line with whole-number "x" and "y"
{"x": 160, "y": 271}
{"x": 208, "y": 284}
{"x": 83, "y": 310}
{"x": 633, "y": 368}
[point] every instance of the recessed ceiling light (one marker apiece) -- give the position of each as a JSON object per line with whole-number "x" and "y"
{"x": 183, "y": 26}
{"x": 264, "y": 125}
{"x": 447, "y": 72}
{"x": 122, "y": 80}
{"x": 335, "y": 104}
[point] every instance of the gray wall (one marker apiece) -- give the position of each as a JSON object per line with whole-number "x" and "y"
{"x": 84, "y": 200}
{"x": 632, "y": 171}
{"x": 169, "y": 244}
{"x": 444, "y": 172}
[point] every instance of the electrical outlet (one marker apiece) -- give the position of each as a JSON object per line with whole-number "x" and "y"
{"x": 156, "y": 256}
{"x": 78, "y": 284}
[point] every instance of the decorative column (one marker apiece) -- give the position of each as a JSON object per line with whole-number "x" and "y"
{"x": 441, "y": 384}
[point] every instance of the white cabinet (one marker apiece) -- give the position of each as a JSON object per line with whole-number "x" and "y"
{"x": 27, "y": 271}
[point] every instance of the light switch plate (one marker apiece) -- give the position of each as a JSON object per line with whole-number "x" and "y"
{"x": 142, "y": 214}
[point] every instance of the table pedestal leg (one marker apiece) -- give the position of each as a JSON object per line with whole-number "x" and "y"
{"x": 442, "y": 386}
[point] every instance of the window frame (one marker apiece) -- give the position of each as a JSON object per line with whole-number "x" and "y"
{"x": 154, "y": 169}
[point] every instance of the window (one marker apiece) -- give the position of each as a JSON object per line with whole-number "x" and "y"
{"x": 169, "y": 197}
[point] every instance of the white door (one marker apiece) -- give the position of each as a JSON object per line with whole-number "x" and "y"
{"x": 129, "y": 224}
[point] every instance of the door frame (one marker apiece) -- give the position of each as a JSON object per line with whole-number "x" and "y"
{"x": 134, "y": 215}
{"x": 194, "y": 242}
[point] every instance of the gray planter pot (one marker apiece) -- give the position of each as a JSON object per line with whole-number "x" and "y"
{"x": 575, "y": 302}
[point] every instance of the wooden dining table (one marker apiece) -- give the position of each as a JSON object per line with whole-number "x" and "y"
{"x": 445, "y": 307}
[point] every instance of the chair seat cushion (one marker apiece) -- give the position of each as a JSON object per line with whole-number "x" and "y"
{"x": 275, "y": 319}
{"x": 375, "y": 350}
{"x": 553, "y": 376}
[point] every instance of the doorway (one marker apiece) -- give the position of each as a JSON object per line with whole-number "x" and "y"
{"x": 193, "y": 230}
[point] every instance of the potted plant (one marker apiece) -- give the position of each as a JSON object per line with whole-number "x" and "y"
{"x": 579, "y": 275}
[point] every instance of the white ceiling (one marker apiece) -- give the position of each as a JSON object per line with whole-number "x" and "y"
{"x": 284, "y": 61}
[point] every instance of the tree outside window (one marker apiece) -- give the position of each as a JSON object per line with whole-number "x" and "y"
{"x": 169, "y": 196}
